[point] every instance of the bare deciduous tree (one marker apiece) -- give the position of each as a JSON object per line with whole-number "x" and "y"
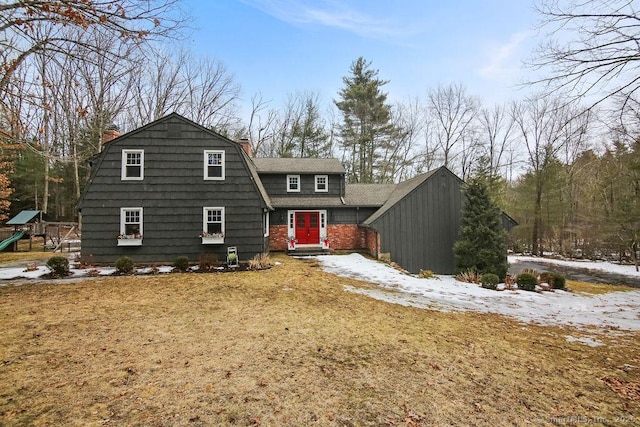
{"x": 496, "y": 129}
{"x": 21, "y": 23}
{"x": 260, "y": 127}
{"x": 198, "y": 88}
{"x": 591, "y": 48}
{"x": 452, "y": 113}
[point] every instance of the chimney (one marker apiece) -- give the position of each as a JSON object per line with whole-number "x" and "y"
{"x": 246, "y": 145}
{"x": 110, "y": 133}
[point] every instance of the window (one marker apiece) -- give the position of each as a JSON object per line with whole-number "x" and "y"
{"x": 293, "y": 183}
{"x": 213, "y": 222}
{"x": 322, "y": 183}
{"x": 132, "y": 165}
{"x": 130, "y": 227}
{"x": 214, "y": 164}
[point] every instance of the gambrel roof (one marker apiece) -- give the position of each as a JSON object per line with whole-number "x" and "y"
{"x": 115, "y": 142}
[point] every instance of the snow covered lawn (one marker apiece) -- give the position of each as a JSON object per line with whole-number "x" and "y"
{"x": 619, "y": 310}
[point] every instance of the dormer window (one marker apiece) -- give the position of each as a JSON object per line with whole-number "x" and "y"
{"x": 132, "y": 165}
{"x": 293, "y": 183}
{"x": 322, "y": 183}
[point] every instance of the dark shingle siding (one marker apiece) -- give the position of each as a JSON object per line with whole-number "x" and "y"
{"x": 276, "y": 185}
{"x": 173, "y": 194}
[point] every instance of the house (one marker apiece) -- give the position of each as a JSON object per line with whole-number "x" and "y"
{"x": 174, "y": 188}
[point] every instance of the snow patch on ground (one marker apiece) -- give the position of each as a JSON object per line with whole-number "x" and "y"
{"x": 22, "y": 273}
{"x": 617, "y": 310}
{"x": 624, "y": 270}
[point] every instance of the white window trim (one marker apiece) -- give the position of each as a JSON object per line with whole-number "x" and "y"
{"x": 211, "y": 239}
{"x": 326, "y": 183}
{"x": 206, "y": 165}
{"x": 291, "y": 223}
{"x": 266, "y": 223}
{"x": 123, "y": 175}
{"x": 289, "y": 190}
{"x": 130, "y": 241}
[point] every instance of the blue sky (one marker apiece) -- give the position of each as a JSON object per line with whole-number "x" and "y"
{"x": 277, "y": 47}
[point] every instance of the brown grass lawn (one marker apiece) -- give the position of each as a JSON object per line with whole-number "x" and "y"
{"x": 288, "y": 346}
{"x": 6, "y": 257}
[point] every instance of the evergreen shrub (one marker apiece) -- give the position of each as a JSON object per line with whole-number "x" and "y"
{"x": 59, "y": 265}
{"x": 124, "y": 265}
{"x": 527, "y": 282}
{"x": 559, "y": 281}
{"x": 490, "y": 281}
{"x": 181, "y": 263}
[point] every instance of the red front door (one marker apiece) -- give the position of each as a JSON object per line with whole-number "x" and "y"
{"x": 308, "y": 228}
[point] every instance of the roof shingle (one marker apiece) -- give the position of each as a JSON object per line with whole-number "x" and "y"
{"x": 306, "y": 202}
{"x": 368, "y": 194}
{"x": 291, "y": 165}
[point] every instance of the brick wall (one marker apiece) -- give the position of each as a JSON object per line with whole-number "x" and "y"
{"x": 341, "y": 236}
{"x": 278, "y": 238}
{"x": 372, "y": 241}
{"x": 345, "y": 236}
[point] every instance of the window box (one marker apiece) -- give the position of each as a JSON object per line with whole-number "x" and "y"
{"x": 212, "y": 239}
{"x": 130, "y": 240}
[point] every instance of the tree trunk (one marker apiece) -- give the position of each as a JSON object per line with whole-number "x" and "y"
{"x": 537, "y": 218}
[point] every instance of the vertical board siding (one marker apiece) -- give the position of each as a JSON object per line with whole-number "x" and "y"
{"x": 173, "y": 194}
{"x": 420, "y": 230}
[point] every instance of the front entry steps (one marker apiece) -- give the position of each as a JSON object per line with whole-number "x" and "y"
{"x": 308, "y": 251}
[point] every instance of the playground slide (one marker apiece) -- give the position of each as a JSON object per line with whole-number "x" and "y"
{"x": 6, "y": 242}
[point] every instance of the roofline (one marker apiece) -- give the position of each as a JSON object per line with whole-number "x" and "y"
{"x": 243, "y": 155}
{"x": 430, "y": 174}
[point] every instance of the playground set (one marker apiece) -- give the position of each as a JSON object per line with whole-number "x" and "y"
{"x": 29, "y": 224}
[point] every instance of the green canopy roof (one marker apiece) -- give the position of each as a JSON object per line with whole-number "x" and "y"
{"x": 23, "y": 217}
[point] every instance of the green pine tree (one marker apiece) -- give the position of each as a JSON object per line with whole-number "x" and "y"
{"x": 366, "y": 121}
{"x": 483, "y": 243}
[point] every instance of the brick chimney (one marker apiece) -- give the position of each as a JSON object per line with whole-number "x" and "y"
{"x": 246, "y": 145}
{"x": 110, "y": 133}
